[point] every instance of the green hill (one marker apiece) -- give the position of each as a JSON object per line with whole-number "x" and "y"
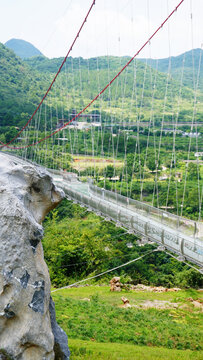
{"x": 103, "y": 62}
{"x": 22, "y": 48}
{"x": 20, "y": 88}
{"x": 83, "y": 82}
{"x": 23, "y": 83}
{"x": 182, "y": 63}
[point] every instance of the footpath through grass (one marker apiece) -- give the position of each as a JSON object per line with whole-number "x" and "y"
{"x": 93, "y": 314}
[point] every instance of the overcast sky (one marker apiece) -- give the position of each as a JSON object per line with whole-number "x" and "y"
{"x": 114, "y": 27}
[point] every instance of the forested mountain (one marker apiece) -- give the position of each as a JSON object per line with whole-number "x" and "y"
{"x": 23, "y": 83}
{"x": 20, "y": 88}
{"x": 130, "y": 95}
{"x": 177, "y": 66}
{"x": 102, "y": 62}
{"x": 183, "y": 63}
{"x": 22, "y": 48}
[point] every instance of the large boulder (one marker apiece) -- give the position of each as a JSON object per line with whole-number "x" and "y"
{"x": 27, "y": 194}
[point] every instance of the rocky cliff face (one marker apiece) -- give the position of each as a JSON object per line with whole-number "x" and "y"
{"x": 27, "y": 331}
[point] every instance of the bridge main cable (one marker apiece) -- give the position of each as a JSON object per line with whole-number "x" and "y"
{"x": 98, "y": 95}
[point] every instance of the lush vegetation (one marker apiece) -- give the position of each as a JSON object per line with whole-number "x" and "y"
{"x": 91, "y": 350}
{"x": 20, "y": 90}
{"x": 139, "y": 139}
{"x": 95, "y": 314}
{"x": 23, "y": 84}
{"x": 78, "y": 244}
{"x": 183, "y": 62}
{"x": 130, "y": 97}
{"x": 136, "y": 175}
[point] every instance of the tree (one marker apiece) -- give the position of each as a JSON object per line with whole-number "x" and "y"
{"x": 9, "y": 135}
{"x": 151, "y": 163}
{"x": 2, "y": 138}
{"x": 192, "y": 172}
{"x": 109, "y": 171}
{"x": 132, "y": 163}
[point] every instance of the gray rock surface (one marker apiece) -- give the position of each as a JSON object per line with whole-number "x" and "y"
{"x": 60, "y": 338}
{"x": 27, "y": 194}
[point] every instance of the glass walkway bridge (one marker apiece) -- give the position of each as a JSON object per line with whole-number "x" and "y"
{"x": 181, "y": 236}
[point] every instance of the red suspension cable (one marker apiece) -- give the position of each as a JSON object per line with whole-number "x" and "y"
{"x": 101, "y": 92}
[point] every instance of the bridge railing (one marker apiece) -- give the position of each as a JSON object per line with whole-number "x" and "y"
{"x": 190, "y": 227}
{"x": 178, "y": 242}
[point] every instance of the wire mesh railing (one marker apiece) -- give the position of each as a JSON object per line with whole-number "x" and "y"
{"x": 139, "y": 218}
{"x": 189, "y": 227}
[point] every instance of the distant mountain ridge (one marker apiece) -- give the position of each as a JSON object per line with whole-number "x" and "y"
{"x": 23, "y": 84}
{"x": 180, "y": 66}
{"x": 23, "y": 48}
{"x": 177, "y": 61}
{"x": 183, "y": 62}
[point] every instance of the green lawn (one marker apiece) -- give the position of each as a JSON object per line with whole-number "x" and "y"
{"x": 89, "y": 350}
{"x": 100, "y": 328}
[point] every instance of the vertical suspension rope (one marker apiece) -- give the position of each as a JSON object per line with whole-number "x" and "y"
{"x": 195, "y": 86}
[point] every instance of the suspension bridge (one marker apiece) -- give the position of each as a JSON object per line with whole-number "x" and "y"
{"x": 119, "y": 158}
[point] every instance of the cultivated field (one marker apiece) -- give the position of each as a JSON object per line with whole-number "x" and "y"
{"x": 81, "y": 162}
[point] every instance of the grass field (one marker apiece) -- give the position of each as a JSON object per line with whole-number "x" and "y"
{"x": 89, "y": 350}
{"x": 99, "y": 328}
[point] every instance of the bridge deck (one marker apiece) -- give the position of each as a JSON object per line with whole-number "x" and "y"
{"x": 181, "y": 236}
